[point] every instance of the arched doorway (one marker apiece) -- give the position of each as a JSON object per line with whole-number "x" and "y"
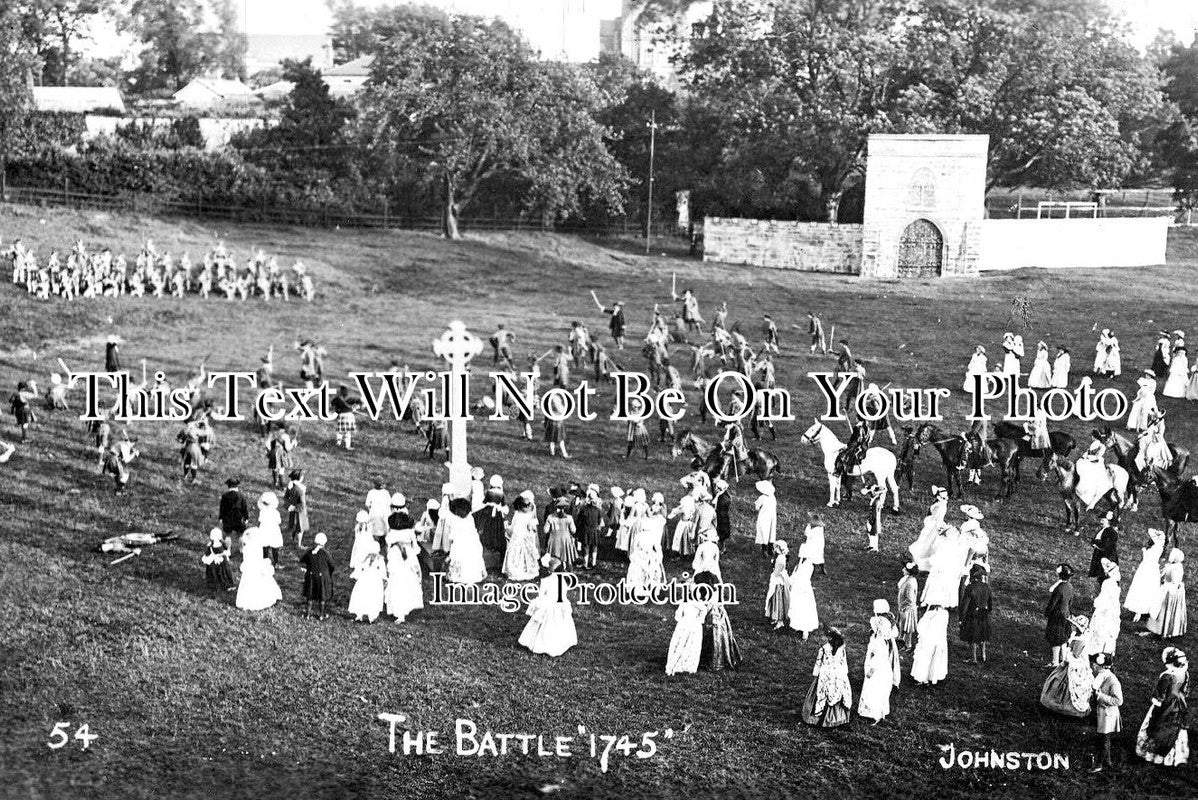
{"x": 921, "y": 250}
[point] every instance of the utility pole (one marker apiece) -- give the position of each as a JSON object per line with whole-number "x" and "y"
{"x": 649, "y": 208}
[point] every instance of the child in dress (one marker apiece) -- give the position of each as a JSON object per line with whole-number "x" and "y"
{"x": 404, "y": 592}
{"x": 1169, "y": 618}
{"x": 364, "y": 540}
{"x": 930, "y": 662}
{"x": 521, "y": 560}
{"x": 720, "y": 650}
{"x": 560, "y": 529}
{"x": 802, "y": 613}
{"x": 550, "y": 629}
{"x": 370, "y": 577}
{"x": 257, "y": 589}
{"x": 908, "y": 602}
{"x": 767, "y": 517}
{"x": 883, "y": 671}
{"x": 270, "y": 526}
{"x": 645, "y": 568}
{"x": 777, "y": 598}
{"x": 318, "y": 577}
{"x": 216, "y": 563}
{"x": 829, "y": 701}
{"x": 975, "y": 613}
{"x": 683, "y": 541}
{"x": 876, "y": 495}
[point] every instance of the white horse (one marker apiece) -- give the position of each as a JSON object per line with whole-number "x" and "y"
{"x": 878, "y": 461}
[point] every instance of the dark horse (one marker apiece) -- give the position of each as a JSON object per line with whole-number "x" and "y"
{"x": 954, "y": 454}
{"x": 760, "y": 462}
{"x": 1068, "y": 482}
{"x": 1179, "y": 500}
{"x": 1060, "y": 443}
{"x": 1125, "y": 456}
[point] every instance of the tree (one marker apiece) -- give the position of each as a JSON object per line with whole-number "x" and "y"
{"x": 181, "y": 42}
{"x": 53, "y": 29}
{"x": 16, "y": 66}
{"x": 459, "y": 101}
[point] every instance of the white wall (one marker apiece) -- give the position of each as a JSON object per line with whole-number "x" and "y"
{"x": 1073, "y": 243}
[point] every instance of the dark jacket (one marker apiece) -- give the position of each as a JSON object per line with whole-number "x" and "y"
{"x": 234, "y": 512}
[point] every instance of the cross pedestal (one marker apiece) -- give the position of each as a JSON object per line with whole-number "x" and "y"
{"x": 457, "y": 346}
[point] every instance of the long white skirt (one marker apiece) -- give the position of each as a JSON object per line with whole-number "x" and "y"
{"x": 257, "y": 589}
{"x": 405, "y": 593}
{"x": 550, "y": 630}
{"x": 366, "y": 600}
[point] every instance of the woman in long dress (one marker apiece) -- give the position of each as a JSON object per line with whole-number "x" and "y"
{"x": 1041, "y": 374}
{"x": 944, "y": 578}
{"x": 521, "y": 561}
{"x": 802, "y": 614}
{"x": 777, "y": 597}
{"x": 1192, "y": 386}
{"x": 367, "y": 599}
{"x": 559, "y": 526}
{"x": 977, "y": 366}
{"x": 635, "y": 508}
{"x": 1163, "y": 738}
{"x": 405, "y": 593}
{"x": 550, "y": 629}
{"x": 257, "y": 589}
{"x": 1143, "y": 407}
{"x": 1069, "y": 688}
{"x": 1107, "y": 361}
{"x": 1179, "y": 373}
{"x": 829, "y": 701}
{"x": 707, "y": 554}
{"x": 929, "y": 664}
{"x": 883, "y": 671}
{"x": 1012, "y": 346}
{"x": 908, "y": 604}
{"x": 767, "y": 517}
{"x": 683, "y": 541}
{"x": 720, "y": 650}
{"x": 465, "y": 563}
{"x": 1151, "y": 448}
{"x": 921, "y": 548}
{"x": 645, "y": 569}
{"x": 1169, "y": 617}
{"x": 443, "y": 534}
{"x": 1104, "y": 622}
{"x": 686, "y": 645}
{"x": 1144, "y": 589}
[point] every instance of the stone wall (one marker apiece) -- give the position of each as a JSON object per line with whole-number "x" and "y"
{"x": 937, "y": 178}
{"x": 806, "y": 246}
{"x": 1073, "y": 243}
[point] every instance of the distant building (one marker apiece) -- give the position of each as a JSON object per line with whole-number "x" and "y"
{"x": 346, "y": 79}
{"x": 208, "y": 92}
{"x": 267, "y": 50}
{"x": 638, "y": 41}
{"x": 77, "y": 99}
{"x": 275, "y": 91}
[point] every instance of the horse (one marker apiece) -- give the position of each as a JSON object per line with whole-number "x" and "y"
{"x": 1060, "y": 443}
{"x": 1068, "y": 481}
{"x": 906, "y": 457}
{"x": 877, "y": 461}
{"x": 954, "y": 455}
{"x": 1179, "y": 501}
{"x": 760, "y": 462}
{"x": 1125, "y": 456}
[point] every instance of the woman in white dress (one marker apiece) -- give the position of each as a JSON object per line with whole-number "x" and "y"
{"x": 803, "y": 615}
{"x": 270, "y": 525}
{"x": 1093, "y": 476}
{"x": 686, "y": 645}
{"x": 944, "y": 578}
{"x": 1179, "y": 372}
{"x": 257, "y": 588}
{"x": 405, "y": 593}
{"x": 1012, "y": 346}
{"x": 683, "y": 541}
{"x": 1041, "y": 374}
{"x": 883, "y": 671}
{"x": 1104, "y": 622}
{"x": 1061, "y": 365}
{"x": 367, "y": 599}
{"x": 777, "y": 596}
{"x": 767, "y": 518}
{"x": 1107, "y": 361}
{"x": 645, "y": 568}
{"x": 1152, "y": 450}
{"x": 521, "y": 561}
{"x": 921, "y": 548}
{"x": 1143, "y": 407}
{"x": 929, "y": 664}
{"x": 1168, "y": 618}
{"x": 364, "y": 541}
{"x": 977, "y": 366}
{"x": 635, "y": 509}
{"x": 465, "y": 563}
{"x": 1145, "y": 584}
{"x": 550, "y": 629}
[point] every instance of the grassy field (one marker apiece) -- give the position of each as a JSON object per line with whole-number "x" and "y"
{"x": 192, "y": 697}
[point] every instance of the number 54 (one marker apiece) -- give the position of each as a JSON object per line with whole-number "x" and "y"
{"x": 59, "y": 737}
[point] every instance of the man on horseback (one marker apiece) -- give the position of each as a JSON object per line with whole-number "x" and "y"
{"x": 854, "y": 450}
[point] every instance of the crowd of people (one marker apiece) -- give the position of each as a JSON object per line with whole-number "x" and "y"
{"x": 85, "y": 274}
